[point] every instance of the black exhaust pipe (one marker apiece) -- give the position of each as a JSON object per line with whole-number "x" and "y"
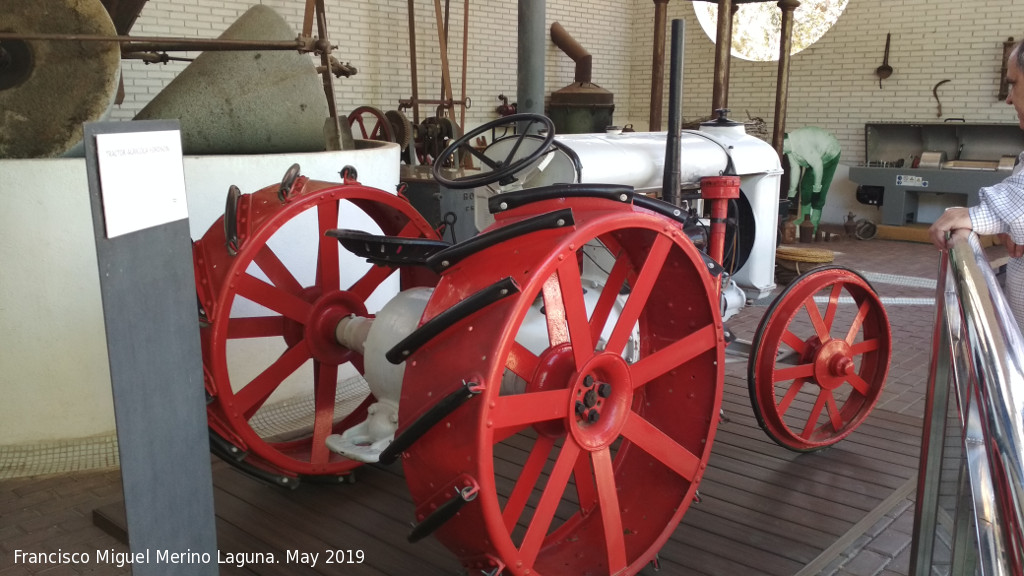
{"x": 670, "y": 183}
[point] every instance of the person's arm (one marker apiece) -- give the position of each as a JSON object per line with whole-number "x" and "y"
{"x": 794, "y": 174}
{"x": 815, "y": 165}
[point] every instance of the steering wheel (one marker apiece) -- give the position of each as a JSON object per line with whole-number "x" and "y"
{"x": 501, "y": 171}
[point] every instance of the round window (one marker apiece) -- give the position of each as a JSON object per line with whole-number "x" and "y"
{"x": 756, "y": 26}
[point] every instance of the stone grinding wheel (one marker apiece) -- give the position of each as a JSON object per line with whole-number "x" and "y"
{"x": 49, "y": 88}
{"x": 243, "y": 102}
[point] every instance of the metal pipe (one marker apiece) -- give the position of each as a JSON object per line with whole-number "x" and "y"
{"x": 658, "y": 65}
{"x": 325, "y": 60}
{"x": 782, "y": 83}
{"x": 530, "y": 68}
{"x": 412, "y": 60}
{"x": 465, "y": 66}
{"x": 442, "y": 41}
{"x": 158, "y": 44}
{"x": 671, "y": 179}
{"x": 723, "y": 51}
{"x": 575, "y": 50}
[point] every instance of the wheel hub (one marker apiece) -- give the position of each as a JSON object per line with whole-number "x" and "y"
{"x": 601, "y": 395}
{"x": 833, "y": 363}
{"x": 318, "y": 330}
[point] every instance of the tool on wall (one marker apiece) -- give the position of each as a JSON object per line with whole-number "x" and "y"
{"x": 884, "y": 71}
{"x": 935, "y": 93}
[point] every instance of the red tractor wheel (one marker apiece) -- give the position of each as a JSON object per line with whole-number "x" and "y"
{"x": 596, "y": 401}
{"x": 272, "y": 288}
{"x": 819, "y": 360}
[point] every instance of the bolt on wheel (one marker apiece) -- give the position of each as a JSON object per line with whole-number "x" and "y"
{"x": 819, "y": 361}
{"x": 272, "y": 288}
{"x": 602, "y": 380}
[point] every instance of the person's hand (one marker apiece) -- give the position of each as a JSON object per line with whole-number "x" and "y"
{"x": 1014, "y": 250}
{"x": 952, "y": 219}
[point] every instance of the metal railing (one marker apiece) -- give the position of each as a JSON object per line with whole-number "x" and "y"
{"x": 970, "y": 495}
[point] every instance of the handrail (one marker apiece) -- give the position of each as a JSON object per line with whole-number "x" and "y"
{"x": 978, "y": 360}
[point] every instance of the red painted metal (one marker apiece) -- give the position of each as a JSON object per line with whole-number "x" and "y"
{"x": 564, "y": 489}
{"x": 841, "y": 356}
{"x": 718, "y": 190}
{"x": 299, "y": 321}
{"x": 379, "y": 126}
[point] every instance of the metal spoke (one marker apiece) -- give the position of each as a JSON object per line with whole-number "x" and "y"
{"x": 325, "y": 387}
{"x": 640, "y": 293}
{"x": 276, "y": 270}
{"x": 674, "y": 355}
{"x": 517, "y": 411}
{"x": 328, "y": 276}
{"x": 812, "y": 420}
{"x": 521, "y": 361}
{"x": 527, "y": 481}
{"x": 251, "y": 397}
{"x": 575, "y": 312}
{"x": 858, "y": 321}
{"x": 820, "y": 328}
{"x": 650, "y": 439}
{"x": 609, "y": 294}
{"x": 611, "y": 514}
{"x": 274, "y": 298}
{"x": 548, "y": 503}
{"x": 255, "y": 327}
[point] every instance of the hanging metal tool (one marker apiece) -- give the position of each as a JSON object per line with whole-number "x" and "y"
{"x": 884, "y": 71}
{"x": 935, "y": 93}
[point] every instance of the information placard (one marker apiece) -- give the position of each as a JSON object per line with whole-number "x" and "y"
{"x": 141, "y": 179}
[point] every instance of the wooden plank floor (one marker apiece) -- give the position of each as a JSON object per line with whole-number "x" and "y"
{"x": 763, "y": 509}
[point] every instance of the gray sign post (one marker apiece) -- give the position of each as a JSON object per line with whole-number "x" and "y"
{"x": 144, "y": 254}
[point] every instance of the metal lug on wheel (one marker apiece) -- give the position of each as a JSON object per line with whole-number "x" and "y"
{"x": 604, "y": 389}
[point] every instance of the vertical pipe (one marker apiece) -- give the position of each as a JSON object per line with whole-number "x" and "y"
{"x": 723, "y": 51}
{"x": 658, "y": 65}
{"x": 412, "y": 67}
{"x": 782, "y": 83}
{"x": 465, "y": 52}
{"x": 532, "y": 43}
{"x": 442, "y": 41}
{"x": 933, "y": 431}
{"x": 671, "y": 178}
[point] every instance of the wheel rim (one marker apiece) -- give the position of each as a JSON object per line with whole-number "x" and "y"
{"x": 841, "y": 357}
{"x": 634, "y": 468}
{"x": 270, "y": 313}
{"x": 373, "y": 124}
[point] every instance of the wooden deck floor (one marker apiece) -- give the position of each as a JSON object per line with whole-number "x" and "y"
{"x": 763, "y": 509}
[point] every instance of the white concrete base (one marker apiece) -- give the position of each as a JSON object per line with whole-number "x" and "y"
{"x": 53, "y": 355}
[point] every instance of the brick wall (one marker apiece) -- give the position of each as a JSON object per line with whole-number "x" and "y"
{"x": 832, "y": 83}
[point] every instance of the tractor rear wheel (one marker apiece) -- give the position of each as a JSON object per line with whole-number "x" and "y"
{"x": 599, "y": 371}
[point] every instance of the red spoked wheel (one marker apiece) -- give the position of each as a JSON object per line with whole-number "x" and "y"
{"x": 600, "y": 393}
{"x": 272, "y": 288}
{"x": 373, "y": 124}
{"x": 819, "y": 360}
